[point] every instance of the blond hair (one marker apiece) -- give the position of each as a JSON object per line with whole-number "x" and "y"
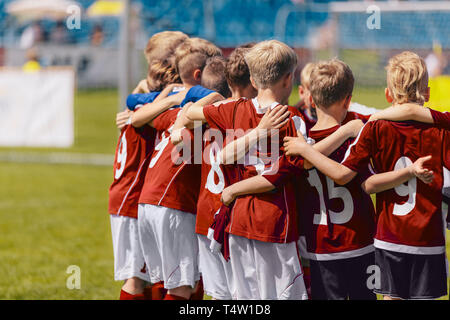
{"x": 305, "y": 75}
{"x": 192, "y": 54}
{"x": 407, "y": 78}
{"x": 160, "y": 74}
{"x": 330, "y": 82}
{"x": 160, "y": 56}
{"x": 268, "y": 61}
{"x": 163, "y": 44}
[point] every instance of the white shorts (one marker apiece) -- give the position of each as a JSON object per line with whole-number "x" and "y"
{"x": 265, "y": 270}
{"x": 216, "y": 272}
{"x": 128, "y": 258}
{"x": 169, "y": 244}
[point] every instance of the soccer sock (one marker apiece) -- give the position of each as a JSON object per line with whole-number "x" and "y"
{"x": 148, "y": 293}
{"x": 128, "y": 296}
{"x": 173, "y": 297}
{"x": 158, "y": 291}
{"x": 198, "y": 293}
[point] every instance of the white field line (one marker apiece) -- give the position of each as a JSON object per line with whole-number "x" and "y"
{"x": 92, "y": 159}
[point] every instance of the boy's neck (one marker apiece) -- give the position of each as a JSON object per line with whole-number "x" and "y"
{"x": 237, "y": 93}
{"x": 403, "y": 103}
{"x": 328, "y": 118}
{"x": 189, "y": 83}
{"x": 266, "y": 97}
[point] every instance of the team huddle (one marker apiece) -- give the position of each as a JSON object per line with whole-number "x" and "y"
{"x": 221, "y": 188}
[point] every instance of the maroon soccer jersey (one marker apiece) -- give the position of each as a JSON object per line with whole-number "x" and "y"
{"x": 409, "y": 216}
{"x": 214, "y": 178}
{"x": 441, "y": 119}
{"x": 171, "y": 181}
{"x": 133, "y": 152}
{"x": 269, "y": 217}
{"x": 337, "y": 221}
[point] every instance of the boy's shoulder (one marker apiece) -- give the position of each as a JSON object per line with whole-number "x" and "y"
{"x": 230, "y": 101}
{"x": 352, "y": 115}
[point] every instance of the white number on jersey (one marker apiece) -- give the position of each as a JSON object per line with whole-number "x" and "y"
{"x": 334, "y": 192}
{"x": 121, "y": 157}
{"x": 405, "y": 190}
{"x": 215, "y": 169}
{"x": 160, "y": 147}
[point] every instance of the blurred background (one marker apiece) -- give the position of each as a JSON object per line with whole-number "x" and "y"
{"x": 66, "y": 67}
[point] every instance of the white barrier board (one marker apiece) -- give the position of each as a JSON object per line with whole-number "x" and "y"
{"x": 36, "y": 109}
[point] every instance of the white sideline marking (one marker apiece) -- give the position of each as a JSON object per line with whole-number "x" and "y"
{"x": 93, "y": 159}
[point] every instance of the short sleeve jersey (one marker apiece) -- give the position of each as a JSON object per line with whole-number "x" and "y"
{"x": 171, "y": 180}
{"x": 441, "y": 119}
{"x": 269, "y": 217}
{"x": 337, "y": 221}
{"x": 410, "y": 215}
{"x": 214, "y": 178}
{"x": 131, "y": 160}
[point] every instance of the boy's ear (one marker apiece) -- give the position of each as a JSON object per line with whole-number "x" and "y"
{"x": 197, "y": 74}
{"x": 253, "y": 83}
{"x": 387, "y": 93}
{"x": 427, "y": 95}
{"x": 301, "y": 91}
{"x": 347, "y": 102}
{"x": 311, "y": 101}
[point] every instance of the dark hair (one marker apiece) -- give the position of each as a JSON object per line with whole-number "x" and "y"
{"x": 236, "y": 71}
{"x": 213, "y": 76}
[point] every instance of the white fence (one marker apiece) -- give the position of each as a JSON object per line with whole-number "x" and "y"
{"x": 36, "y": 109}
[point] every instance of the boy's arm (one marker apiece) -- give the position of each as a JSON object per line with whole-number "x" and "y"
{"x": 123, "y": 118}
{"x": 195, "y": 112}
{"x": 142, "y": 87}
{"x": 184, "y": 122}
{"x": 166, "y": 91}
{"x": 150, "y": 111}
{"x": 176, "y": 134}
{"x": 336, "y": 171}
{"x": 404, "y": 112}
{"x": 253, "y": 185}
{"x": 273, "y": 119}
{"x": 388, "y": 180}
{"x": 328, "y": 145}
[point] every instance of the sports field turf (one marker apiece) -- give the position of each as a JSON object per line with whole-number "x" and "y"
{"x": 54, "y": 216}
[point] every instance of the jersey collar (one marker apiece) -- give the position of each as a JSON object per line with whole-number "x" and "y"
{"x": 262, "y": 110}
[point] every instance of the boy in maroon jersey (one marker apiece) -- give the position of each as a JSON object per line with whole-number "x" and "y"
{"x": 336, "y": 250}
{"x": 337, "y": 222}
{"x": 132, "y": 156}
{"x": 166, "y": 207}
{"x": 216, "y": 272}
{"x": 262, "y": 228}
{"x": 279, "y": 60}
{"x": 410, "y": 240}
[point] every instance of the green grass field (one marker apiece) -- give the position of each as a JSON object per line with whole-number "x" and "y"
{"x": 54, "y": 216}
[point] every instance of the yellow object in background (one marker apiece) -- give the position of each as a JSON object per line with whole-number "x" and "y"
{"x": 101, "y": 8}
{"x": 439, "y": 93}
{"x": 31, "y": 66}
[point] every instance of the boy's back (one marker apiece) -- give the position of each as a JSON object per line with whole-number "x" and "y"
{"x": 133, "y": 153}
{"x": 409, "y": 216}
{"x": 337, "y": 221}
{"x": 270, "y": 216}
